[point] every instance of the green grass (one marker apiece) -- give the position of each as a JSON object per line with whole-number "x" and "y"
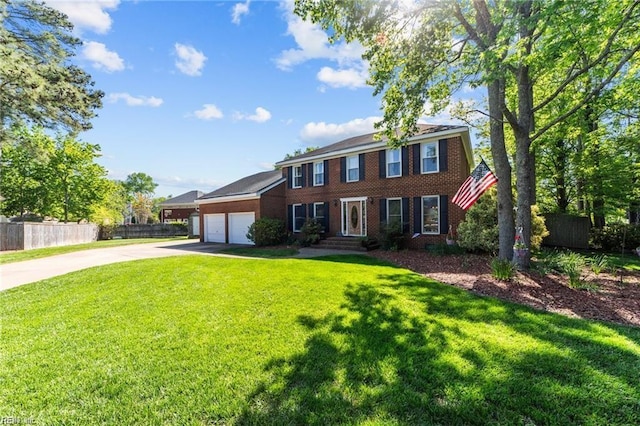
{"x": 19, "y": 256}
{"x": 264, "y": 252}
{"x": 336, "y": 340}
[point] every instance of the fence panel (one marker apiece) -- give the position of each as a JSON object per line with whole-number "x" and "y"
{"x": 567, "y": 231}
{"x": 32, "y": 235}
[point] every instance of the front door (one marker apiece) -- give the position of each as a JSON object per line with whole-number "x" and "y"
{"x": 354, "y": 218}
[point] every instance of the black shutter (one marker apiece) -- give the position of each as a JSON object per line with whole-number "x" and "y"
{"x": 383, "y": 213}
{"x": 361, "y": 166}
{"x": 382, "y": 163}
{"x": 442, "y": 155}
{"x": 289, "y": 178}
{"x": 405, "y": 214}
{"x": 311, "y": 173}
{"x": 303, "y": 179}
{"x": 343, "y": 169}
{"x": 417, "y": 159}
{"x": 326, "y": 172}
{"x": 326, "y": 217}
{"x": 444, "y": 214}
{"x": 311, "y": 215}
{"x": 405, "y": 161}
{"x": 417, "y": 215}
{"x": 290, "y": 217}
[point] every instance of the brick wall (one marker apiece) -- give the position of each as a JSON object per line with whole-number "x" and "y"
{"x": 375, "y": 188}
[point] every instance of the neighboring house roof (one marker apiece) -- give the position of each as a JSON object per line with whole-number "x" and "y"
{"x": 368, "y": 142}
{"x": 185, "y": 200}
{"x": 244, "y": 189}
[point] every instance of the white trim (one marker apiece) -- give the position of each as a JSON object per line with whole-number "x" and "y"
{"x": 294, "y": 177}
{"x": 386, "y": 162}
{"x": 229, "y": 198}
{"x": 363, "y": 215}
{"x": 437, "y": 197}
{"x": 462, "y": 131}
{"x": 346, "y": 165}
{"x": 313, "y": 172}
{"x": 437, "y": 170}
{"x": 293, "y": 218}
{"x": 394, "y": 199}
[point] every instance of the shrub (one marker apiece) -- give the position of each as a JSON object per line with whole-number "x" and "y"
{"x": 571, "y": 264}
{"x": 502, "y": 269}
{"x": 107, "y": 231}
{"x": 479, "y": 230}
{"x": 612, "y": 237}
{"x": 599, "y": 263}
{"x": 267, "y": 232}
{"x": 311, "y": 230}
{"x": 392, "y": 237}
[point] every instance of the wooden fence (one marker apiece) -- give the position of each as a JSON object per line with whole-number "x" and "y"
{"x": 567, "y": 231}
{"x": 156, "y": 230}
{"x": 32, "y": 235}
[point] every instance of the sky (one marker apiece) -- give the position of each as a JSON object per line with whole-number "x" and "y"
{"x": 199, "y": 94}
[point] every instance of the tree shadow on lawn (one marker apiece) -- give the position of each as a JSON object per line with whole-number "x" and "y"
{"x": 412, "y": 351}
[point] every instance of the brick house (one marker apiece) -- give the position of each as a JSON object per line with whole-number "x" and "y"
{"x": 358, "y": 186}
{"x": 180, "y": 208}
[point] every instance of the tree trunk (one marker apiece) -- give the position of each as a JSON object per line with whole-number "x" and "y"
{"x": 506, "y": 229}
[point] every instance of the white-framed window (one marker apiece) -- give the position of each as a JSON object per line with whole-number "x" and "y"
{"x": 297, "y": 177}
{"x": 353, "y": 169}
{"x": 429, "y": 157}
{"x": 318, "y": 212}
{"x": 298, "y": 217}
{"x": 431, "y": 214}
{"x": 394, "y": 211}
{"x": 318, "y": 173}
{"x": 394, "y": 162}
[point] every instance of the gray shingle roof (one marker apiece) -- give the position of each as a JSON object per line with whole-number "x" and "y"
{"x": 248, "y": 185}
{"x": 186, "y": 198}
{"x": 364, "y": 140}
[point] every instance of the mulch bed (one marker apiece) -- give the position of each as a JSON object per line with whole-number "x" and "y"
{"x": 615, "y": 297}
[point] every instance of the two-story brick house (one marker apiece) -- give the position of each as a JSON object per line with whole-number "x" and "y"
{"x": 355, "y": 187}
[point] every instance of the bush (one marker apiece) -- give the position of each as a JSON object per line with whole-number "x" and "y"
{"x": 267, "y": 232}
{"x": 611, "y": 238}
{"x": 502, "y": 269}
{"x": 479, "y": 230}
{"x": 392, "y": 237}
{"x": 311, "y": 230}
{"x": 106, "y": 232}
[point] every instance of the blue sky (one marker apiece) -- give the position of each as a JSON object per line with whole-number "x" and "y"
{"x": 199, "y": 94}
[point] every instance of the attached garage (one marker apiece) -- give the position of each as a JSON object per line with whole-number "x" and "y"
{"x": 214, "y": 228}
{"x": 239, "y": 224}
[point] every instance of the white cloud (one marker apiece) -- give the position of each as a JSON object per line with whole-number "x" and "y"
{"x": 265, "y": 166}
{"x": 101, "y": 57}
{"x": 208, "y": 112}
{"x": 190, "y": 61}
{"x": 351, "y": 78}
{"x": 312, "y": 43}
{"x": 151, "y": 101}
{"x": 324, "y": 133}
{"x": 87, "y": 15}
{"x": 260, "y": 116}
{"x": 238, "y": 10}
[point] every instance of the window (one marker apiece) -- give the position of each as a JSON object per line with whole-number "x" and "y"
{"x": 394, "y": 163}
{"x": 299, "y": 216}
{"x": 430, "y": 157}
{"x": 297, "y": 176}
{"x": 431, "y": 214}
{"x": 394, "y": 212}
{"x": 353, "y": 169}
{"x": 318, "y": 174}
{"x": 318, "y": 213}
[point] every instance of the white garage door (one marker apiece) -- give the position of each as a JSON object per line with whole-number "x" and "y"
{"x": 239, "y": 224}
{"x": 214, "y": 228}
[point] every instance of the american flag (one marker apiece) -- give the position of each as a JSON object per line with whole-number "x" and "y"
{"x": 481, "y": 179}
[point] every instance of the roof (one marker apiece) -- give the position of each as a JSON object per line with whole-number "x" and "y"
{"x": 186, "y": 198}
{"x": 369, "y": 141}
{"x": 253, "y": 185}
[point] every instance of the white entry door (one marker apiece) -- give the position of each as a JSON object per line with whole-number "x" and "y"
{"x": 214, "y": 228}
{"x": 239, "y": 224}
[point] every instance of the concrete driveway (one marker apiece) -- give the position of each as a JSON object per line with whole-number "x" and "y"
{"x": 19, "y": 273}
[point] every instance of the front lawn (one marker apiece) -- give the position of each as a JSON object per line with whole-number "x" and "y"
{"x": 344, "y": 339}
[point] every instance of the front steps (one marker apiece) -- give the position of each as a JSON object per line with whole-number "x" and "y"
{"x": 346, "y": 243}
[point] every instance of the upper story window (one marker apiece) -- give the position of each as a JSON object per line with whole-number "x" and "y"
{"x": 318, "y": 173}
{"x": 429, "y": 157}
{"x": 353, "y": 169}
{"x": 431, "y": 214}
{"x": 394, "y": 162}
{"x": 297, "y": 176}
{"x": 394, "y": 212}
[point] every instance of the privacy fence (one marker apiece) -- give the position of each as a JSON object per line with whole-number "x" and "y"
{"x": 149, "y": 231}
{"x": 32, "y": 235}
{"x": 567, "y": 231}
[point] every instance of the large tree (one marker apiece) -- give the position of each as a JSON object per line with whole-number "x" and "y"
{"x": 422, "y": 52}
{"x": 38, "y": 84}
